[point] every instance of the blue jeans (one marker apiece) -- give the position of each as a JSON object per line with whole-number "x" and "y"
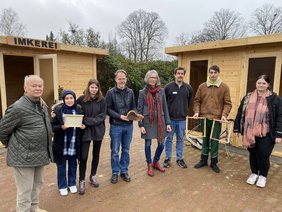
{"x": 120, "y": 136}
{"x": 61, "y": 172}
{"x": 178, "y": 127}
{"x": 158, "y": 152}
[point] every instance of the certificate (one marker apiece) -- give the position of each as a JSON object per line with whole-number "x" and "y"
{"x": 73, "y": 120}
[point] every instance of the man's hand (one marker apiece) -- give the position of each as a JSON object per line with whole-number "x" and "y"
{"x": 143, "y": 130}
{"x": 223, "y": 118}
{"x": 123, "y": 117}
{"x": 196, "y": 115}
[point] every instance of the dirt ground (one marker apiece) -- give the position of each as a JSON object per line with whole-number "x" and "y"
{"x": 175, "y": 190}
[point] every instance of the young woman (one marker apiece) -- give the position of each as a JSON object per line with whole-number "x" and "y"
{"x": 66, "y": 143}
{"x": 94, "y": 108}
{"x": 156, "y": 123}
{"x": 259, "y": 120}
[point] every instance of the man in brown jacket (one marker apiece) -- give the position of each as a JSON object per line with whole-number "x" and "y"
{"x": 212, "y": 101}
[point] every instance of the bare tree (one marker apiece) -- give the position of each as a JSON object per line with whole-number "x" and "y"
{"x": 224, "y": 24}
{"x": 74, "y": 35}
{"x": 182, "y": 39}
{"x": 143, "y": 34}
{"x": 267, "y": 19}
{"x": 10, "y": 24}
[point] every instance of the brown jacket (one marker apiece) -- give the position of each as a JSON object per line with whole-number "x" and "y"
{"x": 212, "y": 102}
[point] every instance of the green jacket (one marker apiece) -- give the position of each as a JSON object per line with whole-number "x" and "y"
{"x": 26, "y": 130}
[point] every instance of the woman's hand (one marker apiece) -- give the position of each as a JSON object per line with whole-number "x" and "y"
{"x": 278, "y": 140}
{"x": 82, "y": 127}
{"x": 168, "y": 128}
{"x": 64, "y": 127}
{"x": 143, "y": 130}
{"x": 53, "y": 114}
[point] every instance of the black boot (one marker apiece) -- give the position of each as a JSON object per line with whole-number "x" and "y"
{"x": 214, "y": 166}
{"x": 203, "y": 162}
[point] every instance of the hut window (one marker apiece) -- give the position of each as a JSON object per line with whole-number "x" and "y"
{"x": 257, "y": 67}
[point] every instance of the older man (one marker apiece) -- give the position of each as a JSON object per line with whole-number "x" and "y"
{"x": 26, "y": 131}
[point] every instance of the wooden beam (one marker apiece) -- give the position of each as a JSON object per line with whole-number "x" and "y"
{"x": 3, "y": 84}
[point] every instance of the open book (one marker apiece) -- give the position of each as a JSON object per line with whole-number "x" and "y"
{"x": 133, "y": 116}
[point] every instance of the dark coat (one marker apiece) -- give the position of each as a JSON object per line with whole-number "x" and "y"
{"x": 59, "y": 134}
{"x": 142, "y": 108}
{"x": 274, "y": 104}
{"x": 119, "y": 102}
{"x": 94, "y": 118}
{"x": 26, "y": 130}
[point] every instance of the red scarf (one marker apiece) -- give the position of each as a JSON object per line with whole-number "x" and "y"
{"x": 256, "y": 122}
{"x": 155, "y": 92}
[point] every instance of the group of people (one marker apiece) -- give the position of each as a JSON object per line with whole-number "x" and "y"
{"x": 26, "y": 129}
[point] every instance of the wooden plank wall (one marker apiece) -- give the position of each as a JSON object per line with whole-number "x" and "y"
{"x": 75, "y": 70}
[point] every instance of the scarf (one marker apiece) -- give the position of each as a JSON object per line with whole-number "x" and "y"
{"x": 154, "y": 93}
{"x": 69, "y": 110}
{"x": 216, "y": 83}
{"x": 256, "y": 119}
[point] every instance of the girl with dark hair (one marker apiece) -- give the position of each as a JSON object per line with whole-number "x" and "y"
{"x": 66, "y": 143}
{"x": 259, "y": 120}
{"x": 94, "y": 108}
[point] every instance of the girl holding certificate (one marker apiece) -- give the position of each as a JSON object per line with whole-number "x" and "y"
{"x": 66, "y": 143}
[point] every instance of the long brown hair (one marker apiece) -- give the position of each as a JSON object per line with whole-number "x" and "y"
{"x": 87, "y": 94}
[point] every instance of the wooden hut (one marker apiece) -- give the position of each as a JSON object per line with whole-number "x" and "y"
{"x": 62, "y": 65}
{"x": 241, "y": 61}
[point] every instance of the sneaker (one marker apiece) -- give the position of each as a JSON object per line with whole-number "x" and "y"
{"x": 215, "y": 168}
{"x": 63, "y": 191}
{"x": 81, "y": 187}
{"x": 252, "y": 179}
{"x": 93, "y": 181}
{"x": 181, "y": 163}
{"x": 201, "y": 164}
{"x": 166, "y": 163}
{"x": 261, "y": 181}
{"x": 73, "y": 189}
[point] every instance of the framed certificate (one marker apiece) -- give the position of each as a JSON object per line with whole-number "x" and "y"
{"x": 73, "y": 120}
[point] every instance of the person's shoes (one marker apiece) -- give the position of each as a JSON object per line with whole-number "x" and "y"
{"x": 181, "y": 163}
{"x": 252, "y": 179}
{"x": 73, "y": 189}
{"x": 201, "y": 164}
{"x": 63, "y": 191}
{"x": 215, "y": 168}
{"x": 150, "y": 170}
{"x": 261, "y": 181}
{"x": 158, "y": 167}
{"x": 81, "y": 187}
{"x": 93, "y": 181}
{"x": 125, "y": 177}
{"x": 114, "y": 178}
{"x": 40, "y": 210}
{"x": 166, "y": 163}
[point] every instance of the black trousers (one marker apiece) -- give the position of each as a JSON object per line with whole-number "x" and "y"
{"x": 84, "y": 156}
{"x": 260, "y": 154}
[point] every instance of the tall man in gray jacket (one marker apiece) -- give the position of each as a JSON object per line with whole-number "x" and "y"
{"x": 26, "y": 131}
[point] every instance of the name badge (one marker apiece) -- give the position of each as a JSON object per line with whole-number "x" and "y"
{"x": 174, "y": 92}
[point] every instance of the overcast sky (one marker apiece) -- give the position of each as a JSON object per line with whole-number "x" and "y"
{"x": 42, "y": 16}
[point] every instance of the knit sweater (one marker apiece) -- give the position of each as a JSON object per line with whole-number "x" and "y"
{"x": 212, "y": 102}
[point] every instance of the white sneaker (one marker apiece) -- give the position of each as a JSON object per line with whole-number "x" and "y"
{"x": 252, "y": 179}
{"x": 63, "y": 191}
{"x": 261, "y": 181}
{"x": 73, "y": 189}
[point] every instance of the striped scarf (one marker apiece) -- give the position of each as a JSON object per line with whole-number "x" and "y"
{"x": 256, "y": 119}
{"x": 151, "y": 94}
